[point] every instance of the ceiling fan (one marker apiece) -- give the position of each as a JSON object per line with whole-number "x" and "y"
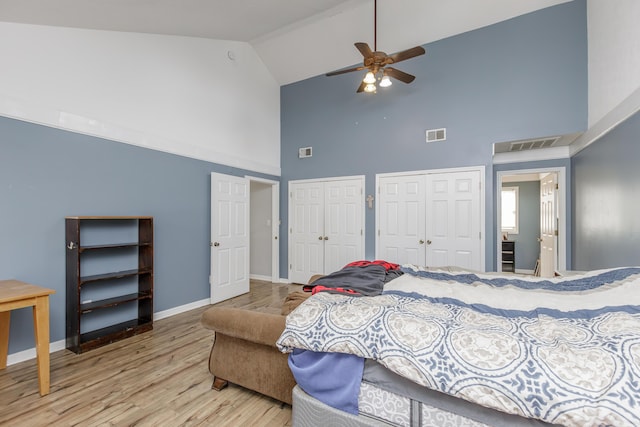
{"x": 376, "y": 62}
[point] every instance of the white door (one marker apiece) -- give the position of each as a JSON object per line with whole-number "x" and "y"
{"x": 431, "y": 219}
{"x": 229, "y": 237}
{"x": 453, "y": 220}
{"x": 326, "y": 226}
{"x": 306, "y": 230}
{"x": 548, "y": 225}
{"x": 343, "y": 227}
{"x": 401, "y": 219}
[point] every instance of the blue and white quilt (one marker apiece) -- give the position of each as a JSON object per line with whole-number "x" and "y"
{"x": 563, "y": 350}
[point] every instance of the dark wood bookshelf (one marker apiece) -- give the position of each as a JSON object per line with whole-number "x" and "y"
{"x": 78, "y": 341}
{"x": 112, "y": 333}
{"x": 114, "y": 275}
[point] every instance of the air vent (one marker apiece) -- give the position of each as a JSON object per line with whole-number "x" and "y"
{"x": 533, "y": 144}
{"x": 434, "y": 135}
{"x": 305, "y": 152}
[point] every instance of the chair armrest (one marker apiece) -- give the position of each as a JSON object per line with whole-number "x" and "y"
{"x": 261, "y": 328}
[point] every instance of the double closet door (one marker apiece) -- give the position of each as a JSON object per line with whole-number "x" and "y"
{"x": 326, "y": 226}
{"x": 431, "y": 219}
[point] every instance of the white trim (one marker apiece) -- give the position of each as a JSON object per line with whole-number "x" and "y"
{"x": 433, "y": 171}
{"x": 483, "y": 196}
{"x": 562, "y": 212}
{"x": 180, "y": 309}
{"x": 333, "y": 178}
{"x": 613, "y": 118}
{"x": 28, "y": 112}
{"x": 30, "y": 353}
{"x": 524, "y": 271}
{"x": 260, "y": 277}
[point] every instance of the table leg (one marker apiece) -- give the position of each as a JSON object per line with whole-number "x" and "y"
{"x": 5, "y": 317}
{"x": 41, "y": 326}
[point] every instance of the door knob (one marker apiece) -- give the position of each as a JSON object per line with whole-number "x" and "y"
{"x": 320, "y": 238}
{"x": 326, "y": 238}
{"x": 216, "y": 244}
{"x": 421, "y": 242}
{"x": 428, "y": 242}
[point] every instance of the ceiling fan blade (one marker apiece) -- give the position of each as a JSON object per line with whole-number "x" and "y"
{"x": 407, "y": 54}
{"x": 348, "y": 70}
{"x": 400, "y": 75}
{"x": 364, "y": 49}
{"x": 361, "y": 87}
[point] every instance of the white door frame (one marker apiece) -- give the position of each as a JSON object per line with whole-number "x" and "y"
{"x": 561, "y": 208}
{"x": 275, "y": 224}
{"x": 480, "y": 169}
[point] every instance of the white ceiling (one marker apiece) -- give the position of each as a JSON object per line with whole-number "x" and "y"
{"x": 296, "y": 39}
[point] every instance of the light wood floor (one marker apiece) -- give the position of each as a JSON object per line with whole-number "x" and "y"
{"x": 159, "y": 378}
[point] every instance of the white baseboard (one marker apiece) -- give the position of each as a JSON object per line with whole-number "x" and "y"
{"x": 30, "y": 353}
{"x": 260, "y": 277}
{"x": 181, "y": 309}
{"x": 523, "y": 271}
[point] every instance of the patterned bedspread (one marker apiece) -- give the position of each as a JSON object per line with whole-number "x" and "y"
{"x": 565, "y": 350}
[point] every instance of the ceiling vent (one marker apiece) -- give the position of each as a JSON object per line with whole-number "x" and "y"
{"x": 305, "y": 152}
{"x": 533, "y": 144}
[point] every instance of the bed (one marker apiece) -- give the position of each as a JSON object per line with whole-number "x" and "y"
{"x": 453, "y": 347}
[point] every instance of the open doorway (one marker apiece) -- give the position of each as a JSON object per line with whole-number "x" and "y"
{"x": 264, "y": 229}
{"x": 534, "y": 227}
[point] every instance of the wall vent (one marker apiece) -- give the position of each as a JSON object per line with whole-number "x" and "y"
{"x": 305, "y": 152}
{"x": 533, "y": 144}
{"x": 434, "y": 135}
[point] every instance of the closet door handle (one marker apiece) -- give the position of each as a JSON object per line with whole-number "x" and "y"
{"x": 216, "y": 244}
{"x": 326, "y": 238}
{"x": 421, "y": 242}
{"x": 320, "y": 238}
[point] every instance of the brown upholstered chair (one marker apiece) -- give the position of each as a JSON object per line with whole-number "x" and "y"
{"x": 244, "y": 350}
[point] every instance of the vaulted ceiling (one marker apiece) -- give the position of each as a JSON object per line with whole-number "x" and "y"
{"x": 296, "y": 39}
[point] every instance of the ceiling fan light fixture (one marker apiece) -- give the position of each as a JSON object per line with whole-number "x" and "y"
{"x": 385, "y": 82}
{"x": 376, "y": 63}
{"x": 369, "y": 78}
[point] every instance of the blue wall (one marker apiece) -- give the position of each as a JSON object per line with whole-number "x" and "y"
{"x": 606, "y": 179}
{"x": 522, "y": 78}
{"x": 526, "y": 77}
{"x": 47, "y": 174}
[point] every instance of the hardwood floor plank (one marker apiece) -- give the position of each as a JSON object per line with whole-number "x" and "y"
{"x": 160, "y": 377}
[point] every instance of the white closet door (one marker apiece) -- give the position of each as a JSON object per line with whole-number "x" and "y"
{"x": 326, "y": 226}
{"x": 453, "y": 220}
{"x": 343, "y": 228}
{"x": 401, "y": 219}
{"x": 306, "y": 237}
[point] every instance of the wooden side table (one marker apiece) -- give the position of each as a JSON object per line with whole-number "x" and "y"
{"x": 15, "y": 294}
